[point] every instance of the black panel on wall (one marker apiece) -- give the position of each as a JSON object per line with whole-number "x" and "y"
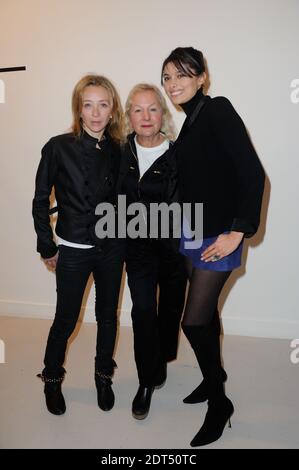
{"x": 13, "y": 69}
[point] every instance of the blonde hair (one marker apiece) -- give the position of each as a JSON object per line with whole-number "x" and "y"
{"x": 115, "y": 125}
{"x": 168, "y": 127}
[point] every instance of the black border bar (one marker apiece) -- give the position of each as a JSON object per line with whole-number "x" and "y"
{"x": 13, "y": 69}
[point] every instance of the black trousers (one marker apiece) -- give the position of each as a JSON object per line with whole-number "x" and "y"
{"x": 74, "y": 267}
{"x": 152, "y": 264}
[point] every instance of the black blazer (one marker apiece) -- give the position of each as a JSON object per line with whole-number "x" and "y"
{"x": 82, "y": 176}
{"x": 218, "y": 166}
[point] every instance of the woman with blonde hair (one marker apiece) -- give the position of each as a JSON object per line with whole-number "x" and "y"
{"x": 82, "y": 166}
{"x": 147, "y": 176}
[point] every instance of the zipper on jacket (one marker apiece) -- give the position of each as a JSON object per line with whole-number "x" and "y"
{"x": 137, "y": 161}
{"x": 136, "y": 158}
{"x": 138, "y": 182}
{"x": 140, "y": 178}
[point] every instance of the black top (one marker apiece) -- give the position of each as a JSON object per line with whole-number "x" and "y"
{"x": 82, "y": 176}
{"x": 218, "y": 166}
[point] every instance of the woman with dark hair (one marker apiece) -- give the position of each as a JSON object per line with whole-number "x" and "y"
{"x": 152, "y": 264}
{"x": 218, "y": 167}
{"x": 82, "y": 167}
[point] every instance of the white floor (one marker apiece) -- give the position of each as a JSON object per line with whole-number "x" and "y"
{"x": 263, "y": 384}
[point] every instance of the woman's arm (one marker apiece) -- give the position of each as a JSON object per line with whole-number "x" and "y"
{"x": 231, "y": 134}
{"x": 45, "y": 177}
{"x": 225, "y": 244}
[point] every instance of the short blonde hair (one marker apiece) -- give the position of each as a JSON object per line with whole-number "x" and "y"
{"x": 168, "y": 127}
{"x": 115, "y": 125}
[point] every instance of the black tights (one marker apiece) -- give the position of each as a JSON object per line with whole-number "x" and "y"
{"x": 204, "y": 290}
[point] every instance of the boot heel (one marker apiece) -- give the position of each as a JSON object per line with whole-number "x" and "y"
{"x": 215, "y": 421}
{"x": 229, "y": 423}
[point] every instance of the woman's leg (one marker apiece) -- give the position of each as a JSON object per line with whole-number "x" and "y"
{"x": 172, "y": 290}
{"x": 200, "y": 393}
{"x": 200, "y": 330}
{"x": 204, "y": 290}
{"x": 107, "y": 272}
{"x": 72, "y": 273}
{"x": 142, "y": 270}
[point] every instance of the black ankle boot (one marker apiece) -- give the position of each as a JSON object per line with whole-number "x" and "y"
{"x": 142, "y": 402}
{"x": 161, "y": 375}
{"x": 54, "y": 398}
{"x": 200, "y": 394}
{"x": 217, "y": 416}
{"x": 105, "y": 393}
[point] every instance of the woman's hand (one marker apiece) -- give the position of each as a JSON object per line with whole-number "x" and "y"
{"x": 225, "y": 244}
{"x": 51, "y": 262}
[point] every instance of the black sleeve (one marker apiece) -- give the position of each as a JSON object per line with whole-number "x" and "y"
{"x": 123, "y": 168}
{"x": 232, "y": 136}
{"x": 172, "y": 189}
{"x": 44, "y": 181}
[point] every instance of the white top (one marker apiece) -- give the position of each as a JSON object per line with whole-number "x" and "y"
{"x": 148, "y": 155}
{"x": 61, "y": 241}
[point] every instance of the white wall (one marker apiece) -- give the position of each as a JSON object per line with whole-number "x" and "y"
{"x": 251, "y": 48}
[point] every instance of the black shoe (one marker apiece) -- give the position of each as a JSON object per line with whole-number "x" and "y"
{"x": 142, "y": 402}
{"x": 217, "y": 416}
{"x": 106, "y": 397}
{"x": 200, "y": 394}
{"x": 161, "y": 375}
{"x": 54, "y": 398}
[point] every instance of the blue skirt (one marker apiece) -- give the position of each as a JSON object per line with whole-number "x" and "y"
{"x": 227, "y": 263}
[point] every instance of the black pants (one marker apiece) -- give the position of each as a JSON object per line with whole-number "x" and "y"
{"x": 152, "y": 264}
{"x": 74, "y": 267}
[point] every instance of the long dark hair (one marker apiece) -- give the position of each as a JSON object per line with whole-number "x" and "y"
{"x": 187, "y": 60}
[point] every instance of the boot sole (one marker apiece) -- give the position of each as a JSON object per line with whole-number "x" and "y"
{"x": 194, "y": 402}
{"x": 57, "y": 413}
{"x": 140, "y": 417}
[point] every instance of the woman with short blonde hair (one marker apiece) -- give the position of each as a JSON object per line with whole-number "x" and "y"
{"x": 148, "y": 175}
{"x": 167, "y": 126}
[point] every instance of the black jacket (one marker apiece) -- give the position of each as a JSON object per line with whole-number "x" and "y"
{"x": 158, "y": 184}
{"x": 218, "y": 166}
{"x": 82, "y": 176}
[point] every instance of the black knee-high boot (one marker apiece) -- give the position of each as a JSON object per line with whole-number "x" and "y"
{"x": 205, "y": 344}
{"x": 200, "y": 394}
